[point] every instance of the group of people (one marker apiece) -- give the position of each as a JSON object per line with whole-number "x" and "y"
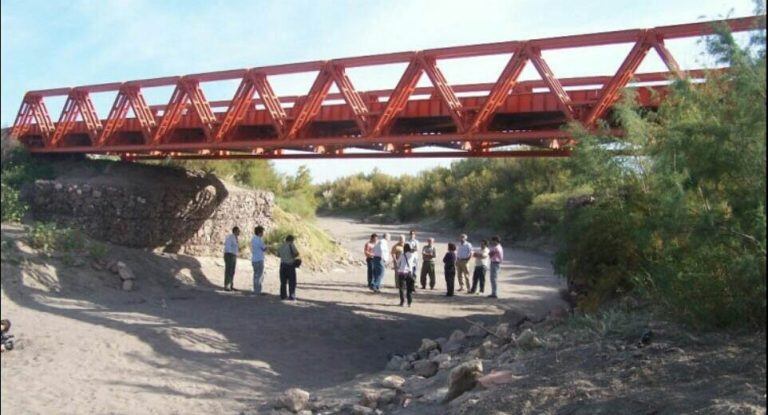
{"x": 404, "y": 257}
{"x": 289, "y": 261}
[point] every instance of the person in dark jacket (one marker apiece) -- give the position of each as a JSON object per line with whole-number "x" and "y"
{"x": 449, "y": 261}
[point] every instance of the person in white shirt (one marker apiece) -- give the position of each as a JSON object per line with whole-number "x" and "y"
{"x": 414, "y": 243}
{"x": 257, "y": 258}
{"x": 380, "y": 252}
{"x": 231, "y": 249}
{"x": 463, "y": 255}
{"x": 482, "y": 262}
{"x": 405, "y": 276}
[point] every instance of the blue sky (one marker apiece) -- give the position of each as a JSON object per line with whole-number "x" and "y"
{"x": 48, "y": 44}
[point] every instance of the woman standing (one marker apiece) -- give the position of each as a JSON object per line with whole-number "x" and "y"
{"x": 405, "y": 277}
{"x": 449, "y": 260}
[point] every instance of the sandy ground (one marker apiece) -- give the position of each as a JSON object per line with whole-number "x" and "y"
{"x": 180, "y": 345}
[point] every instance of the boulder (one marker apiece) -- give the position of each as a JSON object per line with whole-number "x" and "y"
{"x": 528, "y": 340}
{"x": 370, "y": 398}
{"x": 476, "y": 331}
{"x": 293, "y": 399}
{"x": 124, "y": 271}
{"x": 396, "y": 363}
{"x": 457, "y": 336}
{"x": 387, "y": 397}
{"x": 513, "y": 317}
{"x": 392, "y": 382}
{"x": 463, "y": 378}
{"x": 427, "y": 345}
{"x": 443, "y": 360}
{"x": 128, "y": 285}
{"x": 425, "y": 368}
{"x": 503, "y": 331}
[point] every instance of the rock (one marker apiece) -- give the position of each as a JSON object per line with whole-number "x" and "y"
{"x": 528, "y": 340}
{"x": 412, "y": 357}
{"x": 425, "y": 368}
{"x": 370, "y": 398}
{"x": 387, "y": 397}
{"x": 124, "y": 271}
{"x": 427, "y": 345}
{"x": 128, "y": 285}
{"x": 497, "y": 378}
{"x": 353, "y": 409}
{"x": 433, "y": 353}
{"x": 293, "y": 399}
{"x": 486, "y": 349}
{"x": 457, "y": 336}
{"x": 392, "y": 382}
{"x": 503, "y": 331}
{"x": 463, "y": 378}
{"x": 441, "y": 342}
{"x": 396, "y": 363}
{"x": 476, "y": 331}
{"x": 112, "y": 266}
{"x": 97, "y": 265}
{"x": 513, "y": 317}
{"x": 452, "y": 347}
{"x": 443, "y": 360}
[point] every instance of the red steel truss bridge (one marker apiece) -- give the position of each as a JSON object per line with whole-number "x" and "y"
{"x": 505, "y": 118}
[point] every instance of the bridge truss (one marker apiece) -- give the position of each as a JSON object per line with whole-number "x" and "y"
{"x": 506, "y": 118}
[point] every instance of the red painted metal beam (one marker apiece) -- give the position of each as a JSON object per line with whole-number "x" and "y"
{"x": 503, "y": 116}
{"x": 434, "y": 154}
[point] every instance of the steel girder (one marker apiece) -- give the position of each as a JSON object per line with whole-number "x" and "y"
{"x": 506, "y": 112}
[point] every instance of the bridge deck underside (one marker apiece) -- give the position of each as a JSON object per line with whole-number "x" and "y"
{"x": 533, "y": 119}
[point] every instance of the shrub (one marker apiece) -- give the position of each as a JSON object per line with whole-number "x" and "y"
{"x": 13, "y": 209}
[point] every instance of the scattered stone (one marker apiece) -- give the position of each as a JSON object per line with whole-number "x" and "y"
{"x": 513, "y": 317}
{"x": 387, "y": 397}
{"x": 443, "y": 360}
{"x": 457, "y": 336}
{"x": 97, "y": 265}
{"x": 427, "y": 345}
{"x": 528, "y": 340}
{"x": 425, "y": 368}
{"x": 463, "y": 378}
{"x": 124, "y": 271}
{"x": 396, "y": 363}
{"x": 486, "y": 349}
{"x": 128, "y": 285}
{"x": 355, "y": 409}
{"x": 293, "y": 399}
{"x": 433, "y": 353}
{"x": 112, "y": 266}
{"x": 496, "y": 378}
{"x": 393, "y": 382}
{"x": 412, "y": 357}
{"x": 370, "y": 398}
{"x": 476, "y": 331}
{"x": 503, "y": 331}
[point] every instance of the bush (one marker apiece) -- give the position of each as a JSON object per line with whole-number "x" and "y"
{"x": 13, "y": 209}
{"x": 314, "y": 245}
{"x": 43, "y": 236}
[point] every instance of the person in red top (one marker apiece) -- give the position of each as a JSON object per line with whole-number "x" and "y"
{"x": 368, "y": 250}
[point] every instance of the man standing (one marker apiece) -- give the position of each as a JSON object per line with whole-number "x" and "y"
{"x": 288, "y": 255}
{"x": 428, "y": 266}
{"x": 380, "y": 252}
{"x": 231, "y": 249}
{"x": 497, "y": 255}
{"x": 463, "y": 254}
{"x": 397, "y": 250}
{"x": 414, "y": 243}
{"x": 257, "y": 258}
{"x": 368, "y": 250}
